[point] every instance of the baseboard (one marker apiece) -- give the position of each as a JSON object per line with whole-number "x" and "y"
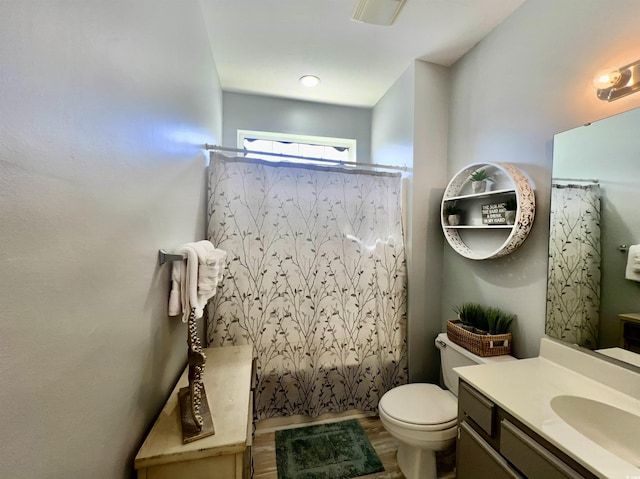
{"x": 273, "y": 424}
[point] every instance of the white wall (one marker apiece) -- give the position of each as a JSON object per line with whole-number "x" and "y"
{"x": 392, "y": 122}
{"x": 409, "y": 127}
{"x": 104, "y": 107}
{"x": 264, "y": 113}
{"x": 530, "y": 78}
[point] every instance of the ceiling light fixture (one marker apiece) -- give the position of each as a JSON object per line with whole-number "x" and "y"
{"x": 377, "y": 12}
{"x": 614, "y": 83}
{"x": 310, "y": 81}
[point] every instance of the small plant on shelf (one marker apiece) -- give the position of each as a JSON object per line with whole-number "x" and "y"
{"x": 479, "y": 180}
{"x": 480, "y": 175}
{"x": 452, "y": 214}
{"x": 452, "y": 209}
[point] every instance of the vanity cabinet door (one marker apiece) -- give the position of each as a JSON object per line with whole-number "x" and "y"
{"x": 479, "y": 412}
{"x": 480, "y": 460}
{"x": 631, "y": 336}
{"x": 531, "y": 458}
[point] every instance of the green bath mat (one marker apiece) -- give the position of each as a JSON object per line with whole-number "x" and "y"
{"x": 339, "y": 450}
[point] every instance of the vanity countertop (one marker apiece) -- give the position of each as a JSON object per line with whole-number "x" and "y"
{"x": 622, "y": 355}
{"x": 634, "y": 317}
{"x": 525, "y": 389}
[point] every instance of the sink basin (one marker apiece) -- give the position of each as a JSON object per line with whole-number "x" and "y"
{"x": 614, "y": 429}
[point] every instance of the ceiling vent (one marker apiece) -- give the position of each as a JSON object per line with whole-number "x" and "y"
{"x": 377, "y": 12}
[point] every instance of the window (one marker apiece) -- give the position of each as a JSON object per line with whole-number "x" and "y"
{"x": 339, "y": 149}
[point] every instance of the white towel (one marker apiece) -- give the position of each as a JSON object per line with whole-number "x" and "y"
{"x": 632, "y": 271}
{"x": 195, "y": 279}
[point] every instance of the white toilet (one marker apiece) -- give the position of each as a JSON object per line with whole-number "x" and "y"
{"x": 422, "y": 417}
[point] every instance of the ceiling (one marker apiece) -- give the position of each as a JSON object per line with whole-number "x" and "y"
{"x": 264, "y": 46}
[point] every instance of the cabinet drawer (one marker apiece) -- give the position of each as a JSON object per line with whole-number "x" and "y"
{"x": 477, "y": 460}
{"x": 529, "y": 457}
{"x": 478, "y": 408}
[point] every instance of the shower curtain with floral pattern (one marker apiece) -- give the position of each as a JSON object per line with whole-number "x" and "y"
{"x": 573, "y": 293}
{"x": 316, "y": 281}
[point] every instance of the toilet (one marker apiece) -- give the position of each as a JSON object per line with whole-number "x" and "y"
{"x": 423, "y": 417}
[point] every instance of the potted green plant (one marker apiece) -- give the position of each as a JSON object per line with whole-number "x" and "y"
{"x": 498, "y": 321}
{"x": 479, "y": 180}
{"x": 481, "y": 319}
{"x": 472, "y": 316}
{"x": 452, "y": 214}
{"x": 482, "y": 330}
{"x": 511, "y": 205}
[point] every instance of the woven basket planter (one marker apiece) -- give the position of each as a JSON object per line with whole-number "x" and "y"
{"x": 483, "y": 345}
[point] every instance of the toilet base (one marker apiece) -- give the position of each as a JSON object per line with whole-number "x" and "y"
{"x": 417, "y": 463}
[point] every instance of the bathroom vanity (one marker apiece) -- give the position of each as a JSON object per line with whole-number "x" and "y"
{"x": 226, "y": 454}
{"x": 564, "y": 414}
{"x": 494, "y": 444}
{"x": 630, "y": 331}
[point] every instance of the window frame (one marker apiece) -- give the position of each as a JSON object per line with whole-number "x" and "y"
{"x": 348, "y": 143}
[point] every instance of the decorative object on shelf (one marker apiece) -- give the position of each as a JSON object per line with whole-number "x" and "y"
{"x": 481, "y": 319}
{"x": 511, "y": 206}
{"x": 452, "y": 214}
{"x": 197, "y": 270}
{"x": 484, "y": 345}
{"x": 194, "y": 407}
{"x": 479, "y": 180}
{"x": 482, "y": 330}
{"x": 494, "y": 214}
{"x": 471, "y": 238}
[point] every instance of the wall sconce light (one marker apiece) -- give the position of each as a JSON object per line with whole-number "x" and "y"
{"x": 614, "y": 83}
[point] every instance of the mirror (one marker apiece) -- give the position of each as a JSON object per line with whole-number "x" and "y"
{"x": 595, "y": 198}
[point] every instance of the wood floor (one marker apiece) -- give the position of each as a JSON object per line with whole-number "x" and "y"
{"x": 264, "y": 454}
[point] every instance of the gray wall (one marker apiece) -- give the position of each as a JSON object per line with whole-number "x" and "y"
{"x": 392, "y": 122}
{"x": 263, "y": 113}
{"x": 105, "y": 106}
{"x": 430, "y": 176}
{"x": 530, "y": 78}
{"x": 409, "y": 127}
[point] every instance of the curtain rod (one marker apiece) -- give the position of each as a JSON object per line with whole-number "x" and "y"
{"x": 282, "y": 155}
{"x": 584, "y": 180}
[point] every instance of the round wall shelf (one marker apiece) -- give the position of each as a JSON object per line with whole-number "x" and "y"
{"x": 483, "y": 230}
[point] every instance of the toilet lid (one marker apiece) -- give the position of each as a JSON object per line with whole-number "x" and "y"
{"x": 420, "y": 403}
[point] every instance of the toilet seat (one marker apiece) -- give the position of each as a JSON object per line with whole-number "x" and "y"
{"x": 420, "y": 406}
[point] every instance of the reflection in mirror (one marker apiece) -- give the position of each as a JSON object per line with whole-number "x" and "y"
{"x": 573, "y": 291}
{"x": 622, "y": 355}
{"x": 594, "y": 211}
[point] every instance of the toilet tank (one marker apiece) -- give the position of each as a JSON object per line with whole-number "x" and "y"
{"x": 453, "y": 356}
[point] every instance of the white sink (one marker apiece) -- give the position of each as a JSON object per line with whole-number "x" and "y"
{"x": 614, "y": 429}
